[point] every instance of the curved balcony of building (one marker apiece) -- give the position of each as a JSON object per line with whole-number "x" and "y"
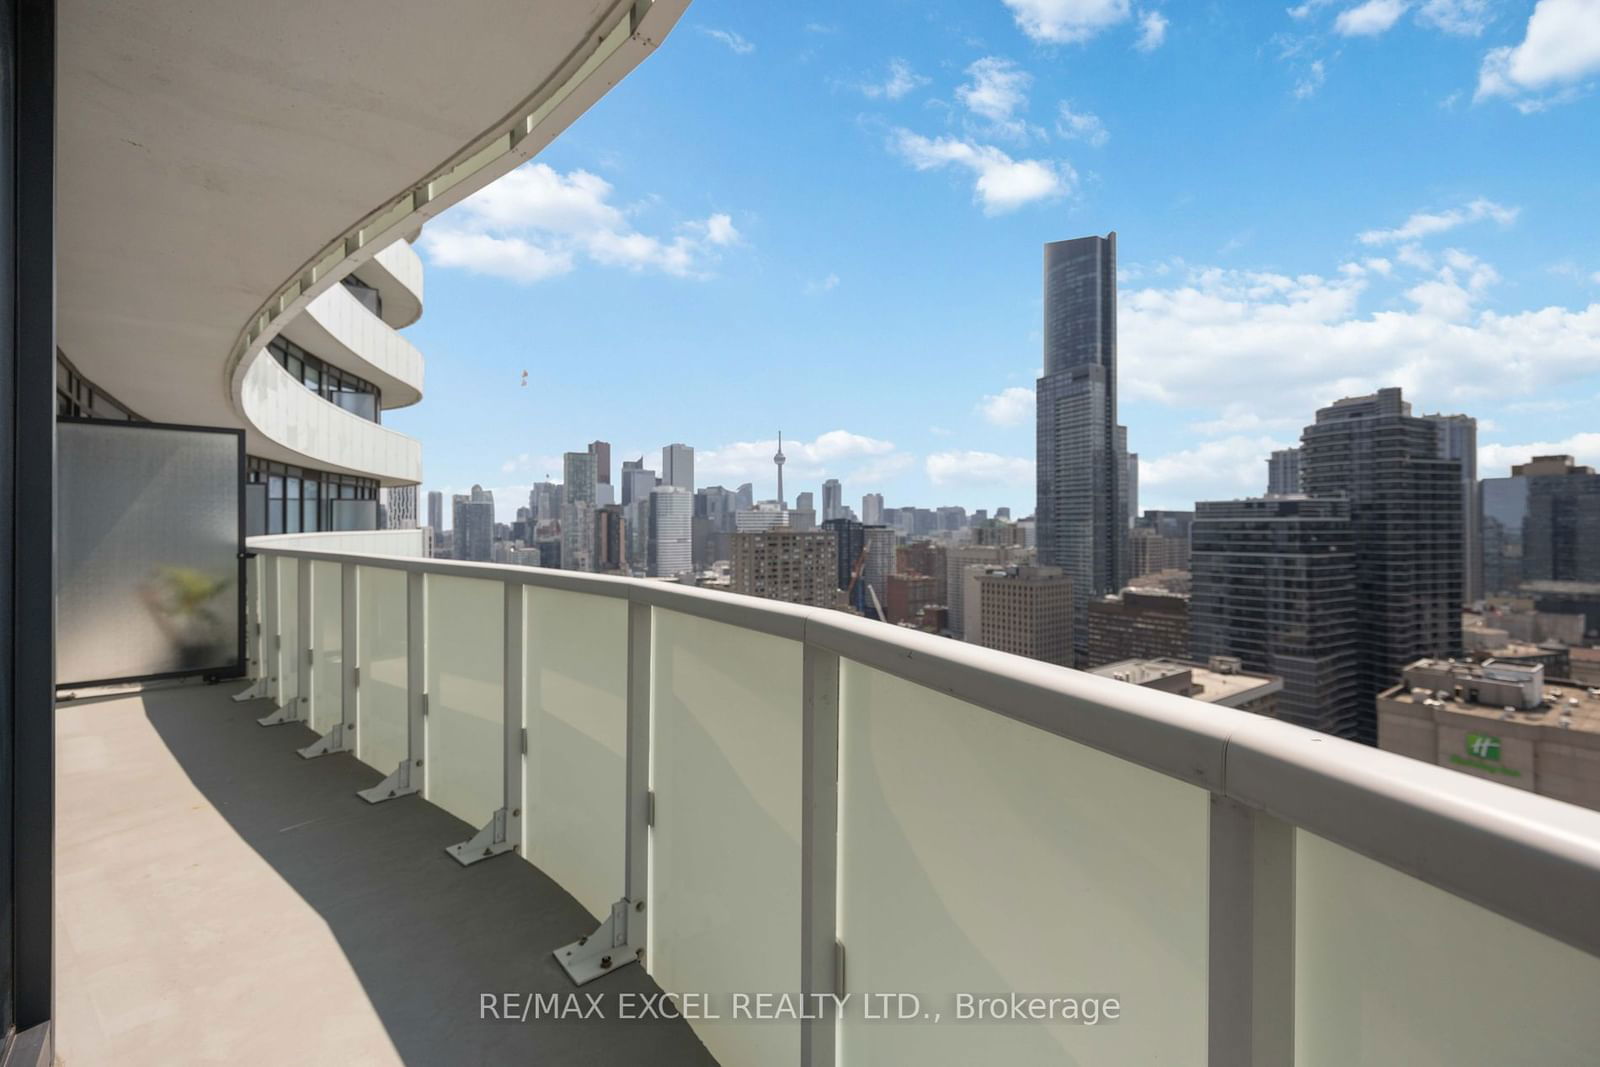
{"x": 396, "y": 273}
{"x": 292, "y": 424}
{"x": 341, "y": 330}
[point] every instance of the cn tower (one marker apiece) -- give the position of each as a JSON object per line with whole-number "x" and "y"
{"x": 778, "y": 459}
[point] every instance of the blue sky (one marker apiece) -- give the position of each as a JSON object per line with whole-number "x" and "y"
{"x": 827, "y": 219}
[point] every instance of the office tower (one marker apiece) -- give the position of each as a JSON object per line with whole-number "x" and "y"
{"x": 610, "y": 540}
{"x": 1458, "y": 440}
{"x": 957, "y": 559}
{"x": 601, "y": 451}
{"x": 910, "y": 597}
{"x": 872, "y": 509}
{"x": 1540, "y": 525}
{"x": 1275, "y": 586}
{"x": 1003, "y": 513}
{"x": 832, "y": 500}
{"x": 788, "y": 565}
{"x": 472, "y": 524}
{"x": 1150, "y": 553}
{"x": 1283, "y": 472}
{"x": 677, "y": 466}
{"x": 543, "y": 501}
{"x": 577, "y": 511}
{"x": 872, "y": 549}
{"x": 436, "y": 513}
{"x": 636, "y": 484}
{"x": 1129, "y": 489}
{"x": 880, "y": 542}
{"x": 1081, "y": 509}
{"x": 804, "y": 502}
{"x": 1405, "y": 512}
{"x": 745, "y": 497}
{"x": 671, "y": 545}
{"x": 1138, "y": 624}
{"x": 578, "y": 477}
{"x": 995, "y": 532}
{"x": 1027, "y": 611}
{"x": 400, "y": 507}
{"x": 981, "y": 515}
{"x": 778, "y": 459}
{"x": 925, "y": 557}
{"x": 951, "y": 518}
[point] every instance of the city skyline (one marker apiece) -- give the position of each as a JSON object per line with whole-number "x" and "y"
{"x": 1466, "y": 276}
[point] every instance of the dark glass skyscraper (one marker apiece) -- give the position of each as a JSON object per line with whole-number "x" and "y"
{"x": 1542, "y": 524}
{"x": 1081, "y": 510}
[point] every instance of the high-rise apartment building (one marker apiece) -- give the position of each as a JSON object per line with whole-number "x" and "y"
{"x": 472, "y": 524}
{"x": 578, "y": 510}
{"x": 400, "y": 507}
{"x": 872, "y": 509}
{"x": 578, "y": 477}
{"x": 788, "y": 565}
{"x": 832, "y": 500}
{"x": 1275, "y": 586}
{"x": 677, "y": 466}
{"x": 1138, "y": 624}
{"x": 610, "y": 553}
{"x": 601, "y": 451}
{"x": 1542, "y": 524}
{"x": 1458, "y": 440}
{"x": 1083, "y": 502}
{"x": 1027, "y": 611}
{"x": 957, "y": 559}
{"x": 544, "y": 501}
{"x": 1129, "y": 486}
{"x": 1405, "y": 514}
{"x": 1283, "y": 472}
{"x": 671, "y": 542}
{"x": 436, "y": 513}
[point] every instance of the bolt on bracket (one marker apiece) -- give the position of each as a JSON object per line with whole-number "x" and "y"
{"x": 339, "y": 738}
{"x": 400, "y": 782}
{"x": 290, "y": 712}
{"x": 605, "y": 950}
{"x": 499, "y": 835}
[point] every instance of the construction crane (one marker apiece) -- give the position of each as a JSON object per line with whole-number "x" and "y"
{"x": 855, "y": 578}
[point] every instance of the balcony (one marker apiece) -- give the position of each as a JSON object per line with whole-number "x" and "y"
{"x": 732, "y": 796}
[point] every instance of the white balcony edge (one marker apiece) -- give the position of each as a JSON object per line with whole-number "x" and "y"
{"x": 1530, "y": 858}
{"x": 396, "y": 271}
{"x": 338, "y": 329}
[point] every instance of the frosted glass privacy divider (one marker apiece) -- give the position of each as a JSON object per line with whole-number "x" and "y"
{"x": 725, "y": 851}
{"x": 576, "y": 710}
{"x": 381, "y": 700}
{"x": 981, "y": 855}
{"x": 327, "y": 660}
{"x": 291, "y": 653}
{"x": 466, "y": 701}
{"x": 149, "y": 535}
{"x": 1391, "y": 970}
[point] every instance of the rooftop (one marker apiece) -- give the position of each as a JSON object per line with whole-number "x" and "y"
{"x": 1215, "y": 684}
{"x": 1555, "y": 701}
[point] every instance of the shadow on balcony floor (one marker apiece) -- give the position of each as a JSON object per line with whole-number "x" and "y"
{"x": 221, "y": 900}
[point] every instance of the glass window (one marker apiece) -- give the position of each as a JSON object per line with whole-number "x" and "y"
{"x": 309, "y": 505}
{"x": 312, "y": 379}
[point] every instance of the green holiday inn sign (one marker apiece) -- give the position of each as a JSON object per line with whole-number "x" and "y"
{"x": 1483, "y": 754}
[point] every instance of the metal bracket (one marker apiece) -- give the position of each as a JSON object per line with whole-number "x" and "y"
{"x": 399, "y": 783}
{"x": 290, "y": 712}
{"x": 339, "y": 738}
{"x": 605, "y": 950}
{"x": 496, "y": 837}
{"x": 259, "y": 688}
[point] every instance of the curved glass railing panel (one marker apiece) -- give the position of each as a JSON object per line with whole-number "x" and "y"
{"x": 381, "y": 701}
{"x": 327, "y": 646}
{"x": 576, "y": 713}
{"x": 1391, "y": 970}
{"x": 291, "y": 657}
{"x": 725, "y": 851}
{"x": 982, "y": 856}
{"x": 466, "y": 696}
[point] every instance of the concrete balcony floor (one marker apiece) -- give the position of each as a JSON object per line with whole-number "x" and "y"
{"x": 221, "y": 900}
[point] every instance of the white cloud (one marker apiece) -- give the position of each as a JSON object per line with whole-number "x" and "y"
{"x": 899, "y": 81}
{"x": 1067, "y": 21}
{"x": 1595, "y": 277}
{"x": 1009, "y": 407}
{"x": 1560, "y": 49}
{"x": 736, "y": 43}
{"x": 1495, "y": 460}
{"x": 1311, "y": 81}
{"x": 1081, "y": 125}
{"x": 837, "y": 453}
{"x": 1280, "y": 343}
{"x": 1369, "y": 19}
{"x": 1423, "y": 224}
{"x": 1465, "y": 18}
{"x": 996, "y": 92}
{"x": 984, "y": 469}
{"x": 1002, "y": 184}
{"x": 1227, "y": 466}
{"x": 823, "y": 285}
{"x": 1152, "y": 31}
{"x": 535, "y": 223}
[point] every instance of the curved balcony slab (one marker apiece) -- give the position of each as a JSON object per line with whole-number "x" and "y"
{"x": 291, "y": 424}
{"x": 338, "y": 329}
{"x": 396, "y": 272}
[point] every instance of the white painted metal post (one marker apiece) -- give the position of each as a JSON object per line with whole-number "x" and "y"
{"x": 1251, "y": 937}
{"x": 819, "y": 850}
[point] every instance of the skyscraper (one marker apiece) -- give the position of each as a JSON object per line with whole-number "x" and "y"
{"x": 1405, "y": 513}
{"x": 1542, "y": 524}
{"x": 400, "y": 507}
{"x": 1275, "y": 586}
{"x": 677, "y": 466}
{"x": 472, "y": 525}
{"x": 1083, "y": 505}
{"x": 1283, "y": 472}
{"x": 1458, "y": 440}
{"x": 601, "y": 451}
{"x": 577, "y": 511}
{"x": 832, "y": 500}
{"x": 671, "y": 546}
{"x": 436, "y": 513}
{"x": 872, "y": 509}
{"x": 1026, "y": 611}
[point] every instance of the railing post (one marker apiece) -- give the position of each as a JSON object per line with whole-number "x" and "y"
{"x": 264, "y": 581}
{"x": 298, "y": 658}
{"x": 409, "y": 776}
{"x": 819, "y": 852}
{"x": 1252, "y": 995}
{"x": 341, "y": 736}
{"x": 503, "y": 832}
{"x": 624, "y": 935}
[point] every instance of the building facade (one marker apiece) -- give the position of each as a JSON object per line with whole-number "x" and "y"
{"x": 789, "y": 565}
{"x": 671, "y": 542}
{"x": 1458, "y": 440}
{"x": 1542, "y": 524}
{"x": 472, "y": 524}
{"x": 1138, "y": 624}
{"x": 677, "y": 466}
{"x": 1283, "y": 472}
{"x": 1027, "y": 611}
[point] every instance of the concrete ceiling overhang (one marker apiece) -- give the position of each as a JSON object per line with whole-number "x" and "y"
{"x": 211, "y": 153}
